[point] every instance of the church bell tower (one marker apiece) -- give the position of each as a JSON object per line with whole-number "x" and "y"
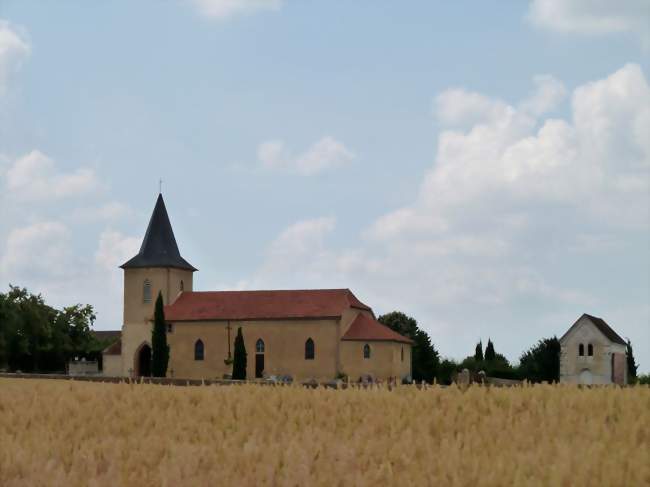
{"x": 157, "y": 268}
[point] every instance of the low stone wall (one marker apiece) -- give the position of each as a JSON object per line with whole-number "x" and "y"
{"x": 493, "y": 381}
{"x": 196, "y": 382}
{"x": 83, "y": 367}
{"x": 161, "y": 380}
{"x": 465, "y": 378}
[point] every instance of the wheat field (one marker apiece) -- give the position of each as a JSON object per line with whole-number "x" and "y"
{"x": 65, "y": 433}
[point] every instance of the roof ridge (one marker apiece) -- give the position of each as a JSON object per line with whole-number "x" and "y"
{"x": 266, "y": 290}
{"x": 262, "y": 304}
{"x": 602, "y": 326}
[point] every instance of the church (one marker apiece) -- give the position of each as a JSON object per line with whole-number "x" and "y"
{"x": 318, "y": 334}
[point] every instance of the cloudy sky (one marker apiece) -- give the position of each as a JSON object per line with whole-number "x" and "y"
{"x": 481, "y": 166}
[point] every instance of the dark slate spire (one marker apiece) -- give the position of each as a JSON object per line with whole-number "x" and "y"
{"x": 159, "y": 247}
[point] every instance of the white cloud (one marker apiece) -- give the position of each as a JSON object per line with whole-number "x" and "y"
{"x": 37, "y": 250}
{"x": 596, "y": 162}
{"x": 303, "y": 237}
{"x": 593, "y": 16}
{"x": 48, "y": 247}
{"x": 33, "y": 177}
{"x": 223, "y": 9}
{"x": 111, "y": 211}
{"x": 272, "y": 153}
{"x": 115, "y": 249}
{"x": 458, "y": 107}
{"x": 14, "y": 49}
{"x": 43, "y": 258}
{"x": 327, "y": 153}
{"x": 301, "y": 240}
{"x": 549, "y": 92}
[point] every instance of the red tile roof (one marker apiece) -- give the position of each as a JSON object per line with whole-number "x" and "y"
{"x": 365, "y": 328}
{"x": 260, "y": 305}
{"x": 114, "y": 349}
{"x": 108, "y": 336}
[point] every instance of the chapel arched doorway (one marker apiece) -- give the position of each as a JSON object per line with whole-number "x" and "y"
{"x": 143, "y": 361}
{"x": 586, "y": 377}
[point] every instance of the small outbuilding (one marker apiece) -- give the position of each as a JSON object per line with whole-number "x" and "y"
{"x": 592, "y": 353}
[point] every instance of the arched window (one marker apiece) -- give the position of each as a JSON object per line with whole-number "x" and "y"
{"x": 590, "y": 350}
{"x": 581, "y": 350}
{"x": 366, "y": 351}
{"x": 402, "y": 354}
{"x": 309, "y": 349}
{"x": 259, "y": 346}
{"x": 182, "y": 285}
{"x": 199, "y": 351}
{"x": 146, "y": 291}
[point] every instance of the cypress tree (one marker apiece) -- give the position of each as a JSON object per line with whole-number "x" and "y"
{"x": 159, "y": 347}
{"x": 490, "y": 355}
{"x": 631, "y": 364}
{"x": 478, "y": 353}
{"x": 239, "y": 362}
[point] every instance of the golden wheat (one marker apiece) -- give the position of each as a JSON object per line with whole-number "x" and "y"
{"x": 77, "y": 434}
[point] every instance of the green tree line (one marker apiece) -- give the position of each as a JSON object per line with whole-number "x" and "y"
{"x": 540, "y": 363}
{"x": 35, "y": 337}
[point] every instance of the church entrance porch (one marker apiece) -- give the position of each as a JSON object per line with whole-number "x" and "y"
{"x": 143, "y": 361}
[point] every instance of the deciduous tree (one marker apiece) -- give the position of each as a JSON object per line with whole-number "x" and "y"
{"x": 35, "y": 337}
{"x": 541, "y": 362}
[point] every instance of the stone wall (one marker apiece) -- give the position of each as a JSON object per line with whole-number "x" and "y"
{"x": 83, "y": 367}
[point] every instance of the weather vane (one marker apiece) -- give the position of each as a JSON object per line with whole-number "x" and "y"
{"x": 160, "y": 186}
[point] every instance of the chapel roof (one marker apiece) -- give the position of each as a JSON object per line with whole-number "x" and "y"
{"x": 109, "y": 336}
{"x": 114, "y": 349}
{"x": 260, "y": 305}
{"x": 604, "y": 328}
{"x": 365, "y": 328}
{"x": 159, "y": 248}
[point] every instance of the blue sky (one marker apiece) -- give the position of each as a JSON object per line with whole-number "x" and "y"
{"x": 480, "y": 166}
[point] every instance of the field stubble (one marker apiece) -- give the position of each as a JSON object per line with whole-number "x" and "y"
{"x": 78, "y": 434}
